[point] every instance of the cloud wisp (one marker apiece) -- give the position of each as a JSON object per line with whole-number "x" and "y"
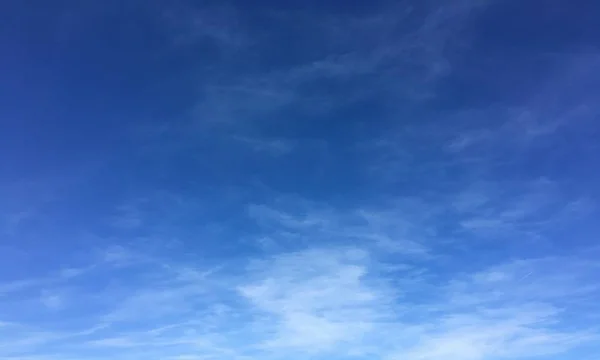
{"x": 331, "y": 300}
{"x": 349, "y": 297}
{"x": 437, "y": 228}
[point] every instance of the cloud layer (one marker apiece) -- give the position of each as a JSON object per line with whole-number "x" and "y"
{"x": 300, "y": 182}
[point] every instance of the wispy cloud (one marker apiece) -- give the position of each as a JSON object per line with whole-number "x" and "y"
{"x": 550, "y": 112}
{"x": 388, "y": 229}
{"x": 397, "y": 54}
{"x": 322, "y": 299}
{"x": 371, "y": 280}
{"x": 416, "y": 262}
{"x": 52, "y": 301}
{"x": 190, "y": 26}
{"x": 514, "y": 310}
{"x": 273, "y": 146}
{"x": 314, "y": 301}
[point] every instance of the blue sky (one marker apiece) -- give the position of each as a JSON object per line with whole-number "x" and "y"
{"x": 397, "y": 180}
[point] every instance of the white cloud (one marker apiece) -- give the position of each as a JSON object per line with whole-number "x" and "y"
{"x": 329, "y": 285}
{"x": 316, "y": 300}
{"x": 274, "y": 146}
{"x": 514, "y": 311}
{"x": 52, "y": 301}
{"x": 323, "y": 300}
{"x": 401, "y": 66}
{"x": 190, "y": 26}
{"x": 387, "y": 279}
{"x": 551, "y": 112}
{"x": 395, "y": 228}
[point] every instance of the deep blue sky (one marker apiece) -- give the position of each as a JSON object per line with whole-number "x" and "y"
{"x": 320, "y": 179}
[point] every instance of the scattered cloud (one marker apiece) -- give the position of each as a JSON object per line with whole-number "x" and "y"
{"x": 388, "y": 229}
{"x": 325, "y": 299}
{"x": 418, "y": 264}
{"x": 320, "y": 298}
{"x": 276, "y": 146}
{"x": 314, "y": 301}
{"x": 397, "y": 54}
{"x": 52, "y": 301}
{"x": 192, "y": 26}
